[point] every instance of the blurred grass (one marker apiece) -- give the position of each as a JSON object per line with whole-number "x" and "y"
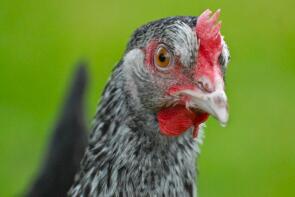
{"x": 41, "y": 40}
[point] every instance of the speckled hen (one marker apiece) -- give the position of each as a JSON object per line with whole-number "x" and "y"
{"x": 145, "y": 136}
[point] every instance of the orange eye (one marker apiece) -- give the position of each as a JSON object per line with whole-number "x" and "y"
{"x": 162, "y": 57}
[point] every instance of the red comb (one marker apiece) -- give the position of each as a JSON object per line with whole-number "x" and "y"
{"x": 208, "y": 33}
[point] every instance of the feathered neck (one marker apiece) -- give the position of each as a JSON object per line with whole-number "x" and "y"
{"x": 128, "y": 156}
{"x": 118, "y": 106}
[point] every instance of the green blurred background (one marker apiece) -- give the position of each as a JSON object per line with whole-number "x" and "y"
{"x": 40, "y": 42}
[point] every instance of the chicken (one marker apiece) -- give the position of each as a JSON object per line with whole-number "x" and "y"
{"x": 144, "y": 140}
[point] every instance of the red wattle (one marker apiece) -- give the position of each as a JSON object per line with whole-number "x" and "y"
{"x": 173, "y": 121}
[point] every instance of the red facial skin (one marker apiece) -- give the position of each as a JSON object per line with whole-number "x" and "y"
{"x": 208, "y": 33}
{"x": 173, "y": 121}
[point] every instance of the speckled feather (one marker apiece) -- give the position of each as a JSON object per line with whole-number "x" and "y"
{"x": 127, "y": 155}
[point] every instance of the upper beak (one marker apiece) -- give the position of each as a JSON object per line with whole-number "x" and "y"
{"x": 214, "y": 103}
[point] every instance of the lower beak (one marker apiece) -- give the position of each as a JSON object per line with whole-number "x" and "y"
{"x": 214, "y": 103}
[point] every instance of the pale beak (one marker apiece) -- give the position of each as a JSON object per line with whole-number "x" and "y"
{"x": 214, "y": 103}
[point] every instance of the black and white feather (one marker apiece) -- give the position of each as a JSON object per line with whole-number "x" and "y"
{"x": 127, "y": 155}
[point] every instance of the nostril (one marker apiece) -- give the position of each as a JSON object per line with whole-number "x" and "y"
{"x": 205, "y": 85}
{"x": 200, "y": 85}
{"x": 220, "y": 101}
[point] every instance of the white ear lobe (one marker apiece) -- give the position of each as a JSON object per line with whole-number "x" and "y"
{"x": 133, "y": 58}
{"x": 133, "y": 68}
{"x": 225, "y": 52}
{"x": 133, "y": 64}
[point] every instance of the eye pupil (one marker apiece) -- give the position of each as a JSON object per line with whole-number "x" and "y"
{"x": 162, "y": 57}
